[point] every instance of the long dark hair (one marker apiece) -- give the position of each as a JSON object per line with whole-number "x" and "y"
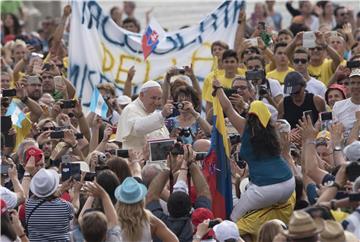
{"x": 6, "y": 227}
{"x": 265, "y": 141}
{"x": 16, "y": 26}
{"x": 190, "y": 92}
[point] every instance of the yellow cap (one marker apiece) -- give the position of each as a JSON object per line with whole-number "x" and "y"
{"x": 66, "y": 62}
{"x": 324, "y": 135}
{"x": 261, "y": 111}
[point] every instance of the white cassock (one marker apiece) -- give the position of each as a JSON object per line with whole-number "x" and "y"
{"x": 136, "y": 126}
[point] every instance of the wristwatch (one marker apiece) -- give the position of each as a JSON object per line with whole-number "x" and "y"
{"x": 197, "y": 237}
{"x": 337, "y": 148}
{"x": 27, "y": 174}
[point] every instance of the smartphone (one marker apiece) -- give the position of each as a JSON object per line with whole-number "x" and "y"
{"x": 326, "y": 120}
{"x": 212, "y": 223}
{"x": 9, "y": 92}
{"x": 254, "y": 75}
{"x": 325, "y": 116}
{"x": 353, "y": 64}
{"x": 228, "y": 92}
{"x": 68, "y": 104}
{"x": 79, "y": 136}
{"x": 90, "y": 176}
{"x": 69, "y": 170}
{"x": 200, "y": 155}
{"x": 261, "y": 26}
{"x": 354, "y": 196}
{"x": 4, "y": 168}
{"x": 57, "y": 135}
{"x": 159, "y": 149}
{"x": 253, "y": 42}
{"x": 122, "y": 153}
{"x": 309, "y": 39}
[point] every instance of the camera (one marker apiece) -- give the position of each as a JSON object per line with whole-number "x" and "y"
{"x": 178, "y": 105}
{"x": 186, "y": 132}
{"x": 239, "y": 161}
{"x": 101, "y": 158}
{"x": 201, "y": 155}
{"x": 263, "y": 91}
{"x": 254, "y": 75}
{"x": 177, "y": 149}
{"x": 180, "y": 71}
{"x": 235, "y": 139}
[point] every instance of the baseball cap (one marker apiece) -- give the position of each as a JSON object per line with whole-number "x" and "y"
{"x": 293, "y": 82}
{"x": 226, "y": 230}
{"x": 259, "y": 109}
{"x": 355, "y": 72}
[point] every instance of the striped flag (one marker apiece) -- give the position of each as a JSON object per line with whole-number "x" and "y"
{"x": 216, "y": 166}
{"x": 98, "y": 104}
{"x": 17, "y": 116}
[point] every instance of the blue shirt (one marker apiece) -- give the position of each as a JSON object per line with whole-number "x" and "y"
{"x": 173, "y": 123}
{"x": 263, "y": 170}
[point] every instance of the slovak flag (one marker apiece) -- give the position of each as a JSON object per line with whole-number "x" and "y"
{"x": 17, "y": 116}
{"x": 152, "y": 36}
{"x": 98, "y": 104}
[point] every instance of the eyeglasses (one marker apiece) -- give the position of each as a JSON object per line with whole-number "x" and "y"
{"x": 316, "y": 49}
{"x": 300, "y": 61}
{"x": 248, "y": 52}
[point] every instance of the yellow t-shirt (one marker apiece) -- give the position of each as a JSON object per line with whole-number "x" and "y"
{"x": 24, "y": 131}
{"x": 226, "y": 82}
{"x": 324, "y": 71}
{"x": 279, "y": 75}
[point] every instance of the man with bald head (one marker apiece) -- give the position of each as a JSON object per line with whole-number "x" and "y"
{"x": 142, "y": 120}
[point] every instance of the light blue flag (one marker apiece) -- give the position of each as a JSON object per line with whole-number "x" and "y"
{"x": 98, "y": 104}
{"x": 17, "y": 116}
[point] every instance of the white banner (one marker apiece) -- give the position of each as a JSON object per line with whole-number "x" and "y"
{"x": 100, "y": 51}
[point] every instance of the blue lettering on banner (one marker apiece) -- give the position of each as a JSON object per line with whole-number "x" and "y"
{"x": 181, "y": 41}
{"x": 105, "y": 34}
{"x": 94, "y": 6}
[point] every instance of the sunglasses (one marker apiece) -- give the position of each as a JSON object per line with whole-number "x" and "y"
{"x": 300, "y": 61}
{"x": 316, "y": 49}
{"x": 71, "y": 115}
{"x": 248, "y": 52}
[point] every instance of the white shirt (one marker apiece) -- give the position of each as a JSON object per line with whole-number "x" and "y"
{"x": 136, "y": 126}
{"x": 344, "y": 112}
{"x": 316, "y": 87}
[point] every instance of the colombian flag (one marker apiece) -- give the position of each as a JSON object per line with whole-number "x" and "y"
{"x": 216, "y": 166}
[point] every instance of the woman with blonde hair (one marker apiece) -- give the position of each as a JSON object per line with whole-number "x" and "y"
{"x": 137, "y": 223}
{"x": 270, "y": 229}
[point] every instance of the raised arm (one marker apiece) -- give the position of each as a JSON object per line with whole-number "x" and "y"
{"x": 320, "y": 40}
{"x": 83, "y": 124}
{"x": 59, "y": 31}
{"x": 157, "y": 185}
{"x": 236, "y": 120}
{"x": 35, "y": 109}
{"x": 354, "y": 133}
{"x": 311, "y": 166}
{"x": 128, "y": 83}
{"x": 240, "y": 31}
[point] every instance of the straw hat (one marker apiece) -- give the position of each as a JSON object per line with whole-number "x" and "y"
{"x": 334, "y": 232}
{"x": 302, "y": 225}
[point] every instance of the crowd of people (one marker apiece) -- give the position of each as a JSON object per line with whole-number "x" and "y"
{"x": 291, "y": 100}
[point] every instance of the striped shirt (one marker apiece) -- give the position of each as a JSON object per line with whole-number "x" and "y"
{"x": 50, "y": 221}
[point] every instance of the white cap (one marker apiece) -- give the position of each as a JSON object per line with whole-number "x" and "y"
{"x": 149, "y": 84}
{"x": 355, "y": 72}
{"x": 124, "y": 100}
{"x": 226, "y": 230}
{"x": 352, "y": 151}
{"x": 84, "y": 167}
